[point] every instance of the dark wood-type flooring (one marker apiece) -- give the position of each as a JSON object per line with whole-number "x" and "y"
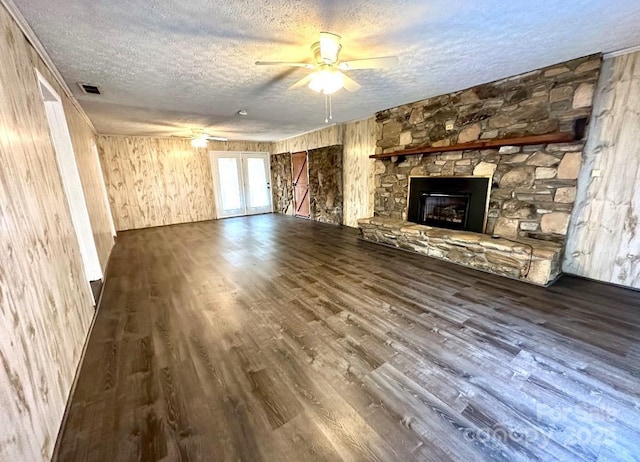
{"x": 273, "y": 338}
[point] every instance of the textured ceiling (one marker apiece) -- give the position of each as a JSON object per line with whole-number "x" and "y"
{"x": 165, "y": 66}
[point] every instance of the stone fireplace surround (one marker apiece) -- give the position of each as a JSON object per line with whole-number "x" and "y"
{"x": 533, "y": 187}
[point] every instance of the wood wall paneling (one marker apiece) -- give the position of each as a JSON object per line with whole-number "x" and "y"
{"x": 82, "y": 138}
{"x": 46, "y": 309}
{"x": 156, "y": 181}
{"x": 329, "y": 136}
{"x": 161, "y": 181}
{"x": 604, "y": 238}
{"x": 359, "y": 144}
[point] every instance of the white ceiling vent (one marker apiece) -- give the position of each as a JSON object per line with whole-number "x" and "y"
{"x": 89, "y": 88}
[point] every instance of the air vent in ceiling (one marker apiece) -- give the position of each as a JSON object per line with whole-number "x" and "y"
{"x": 89, "y": 89}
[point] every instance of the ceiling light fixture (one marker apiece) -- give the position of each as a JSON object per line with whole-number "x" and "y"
{"x": 326, "y": 81}
{"x": 200, "y": 142}
{"x": 329, "y": 47}
{"x": 200, "y": 139}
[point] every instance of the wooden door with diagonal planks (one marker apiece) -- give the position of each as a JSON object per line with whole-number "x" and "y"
{"x": 300, "y": 183}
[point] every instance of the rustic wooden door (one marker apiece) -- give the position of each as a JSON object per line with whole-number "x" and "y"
{"x": 300, "y": 183}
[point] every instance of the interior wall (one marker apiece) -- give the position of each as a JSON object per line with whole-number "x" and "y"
{"x": 282, "y": 183}
{"x": 46, "y": 307}
{"x": 604, "y": 239}
{"x": 329, "y": 136}
{"x": 161, "y": 181}
{"x": 359, "y": 144}
{"x": 326, "y": 185}
{"x": 82, "y": 138}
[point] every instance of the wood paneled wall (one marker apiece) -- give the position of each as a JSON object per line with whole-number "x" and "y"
{"x": 45, "y": 306}
{"x": 161, "y": 181}
{"x": 359, "y": 144}
{"x": 604, "y": 235}
{"x": 83, "y": 138}
{"x": 329, "y": 136}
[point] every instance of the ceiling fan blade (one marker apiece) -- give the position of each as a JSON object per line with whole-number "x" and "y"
{"x": 215, "y": 138}
{"x": 302, "y": 82}
{"x": 349, "y": 83}
{"x": 329, "y": 47}
{"x": 284, "y": 63}
{"x": 369, "y": 63}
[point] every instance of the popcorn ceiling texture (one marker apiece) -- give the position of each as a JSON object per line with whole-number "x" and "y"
{"x": 167, "y": 66}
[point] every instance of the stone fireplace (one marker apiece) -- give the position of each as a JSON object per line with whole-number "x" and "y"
{"x": 449, "y": 202}
{"x": 531, "y": 188}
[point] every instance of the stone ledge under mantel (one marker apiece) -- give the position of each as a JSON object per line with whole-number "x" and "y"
{"x": 529, "y": 260}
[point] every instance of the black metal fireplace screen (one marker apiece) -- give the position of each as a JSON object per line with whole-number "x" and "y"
{"x": 446, "y": 208}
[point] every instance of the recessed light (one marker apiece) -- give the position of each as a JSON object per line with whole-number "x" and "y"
{"x": 242, "y": 112}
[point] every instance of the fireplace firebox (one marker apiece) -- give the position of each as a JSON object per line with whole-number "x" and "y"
{"x": 451, "y": 209}
{"x": 449, "y": 202}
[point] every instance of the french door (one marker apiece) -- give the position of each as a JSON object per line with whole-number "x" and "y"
{"x": 241, "y": 182}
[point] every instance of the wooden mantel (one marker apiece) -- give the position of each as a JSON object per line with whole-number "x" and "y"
{"x": 561, "y": 137}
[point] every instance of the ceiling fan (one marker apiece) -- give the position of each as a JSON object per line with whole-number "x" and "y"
{"x": 200, "y": 139}
{"x": 328, "y": 76}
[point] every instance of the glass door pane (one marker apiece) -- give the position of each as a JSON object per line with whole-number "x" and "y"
{"x": 230, "y": 194}
{"x": 257, "y": 185}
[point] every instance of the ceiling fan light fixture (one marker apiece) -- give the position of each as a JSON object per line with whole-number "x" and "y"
{"x": 329, "y": 47}
{"x": 326, "y": 81}
{"x": 199, "y": 142}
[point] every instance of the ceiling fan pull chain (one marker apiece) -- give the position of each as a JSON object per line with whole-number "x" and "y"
{"x": 326, "y": 108}
{"x": 330, "y": 108}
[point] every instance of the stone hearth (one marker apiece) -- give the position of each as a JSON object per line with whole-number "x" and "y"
{"x": 530, "y": 260}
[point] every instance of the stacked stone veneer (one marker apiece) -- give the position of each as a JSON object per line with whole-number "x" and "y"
{"x": 282, "y": 183}
{"x": 325, "y": 184}
{"x": 533, "y": 187}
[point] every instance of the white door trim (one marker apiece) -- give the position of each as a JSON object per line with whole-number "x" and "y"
{"x": 70, "y": 178}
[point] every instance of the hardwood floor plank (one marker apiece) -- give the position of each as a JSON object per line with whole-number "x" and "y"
{"x": 274, "y": 338}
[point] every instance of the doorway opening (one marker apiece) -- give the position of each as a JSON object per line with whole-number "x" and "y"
{"x": 71, "y": 184}
{"x": 241, "y": 182}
